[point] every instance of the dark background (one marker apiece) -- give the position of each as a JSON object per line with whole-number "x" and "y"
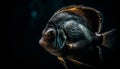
{"x": 28, "y": 19}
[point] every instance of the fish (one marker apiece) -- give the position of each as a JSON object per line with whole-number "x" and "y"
{"x": 74, "y": 33}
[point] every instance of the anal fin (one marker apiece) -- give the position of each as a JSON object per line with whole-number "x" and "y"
{"x": 63, "y": 62}
{"x": 79, "y": 63}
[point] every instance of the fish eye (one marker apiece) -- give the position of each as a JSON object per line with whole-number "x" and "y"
{"x": 47, "y": 35}
{"x": 50, "y": 34}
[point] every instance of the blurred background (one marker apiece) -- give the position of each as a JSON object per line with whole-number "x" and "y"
{"x": 29, "y": 18}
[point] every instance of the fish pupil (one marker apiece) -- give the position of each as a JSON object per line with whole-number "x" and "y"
{"x": 50, "y": 35}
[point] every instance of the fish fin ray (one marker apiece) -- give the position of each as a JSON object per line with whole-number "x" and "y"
{"x": 63, "y": 62}
{"x": 109, "y": 38}
{"x": 79, "y": 63}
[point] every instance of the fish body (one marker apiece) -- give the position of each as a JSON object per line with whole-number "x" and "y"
{"x": 73, "y": 33}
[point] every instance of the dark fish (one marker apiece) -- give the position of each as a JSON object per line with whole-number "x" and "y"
{"x": 74, "y": 33}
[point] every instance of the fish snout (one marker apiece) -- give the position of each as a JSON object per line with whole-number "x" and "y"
{"x": 42, "y": 42}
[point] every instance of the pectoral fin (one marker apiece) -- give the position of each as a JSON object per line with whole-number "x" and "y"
{"x": 79, "y": 63}
{"x": 63, "y": 62}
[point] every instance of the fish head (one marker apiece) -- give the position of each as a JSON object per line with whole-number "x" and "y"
{"x": 52, "y": 39}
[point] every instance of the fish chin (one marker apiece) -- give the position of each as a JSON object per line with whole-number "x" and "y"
{"x": 54, "y": 52}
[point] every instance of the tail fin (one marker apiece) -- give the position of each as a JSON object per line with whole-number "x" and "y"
{"x": 109, "y": 38}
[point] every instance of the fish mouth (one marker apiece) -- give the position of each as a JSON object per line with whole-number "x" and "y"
{"x": 42, "y": 42}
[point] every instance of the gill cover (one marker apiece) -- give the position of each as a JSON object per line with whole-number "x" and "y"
{"x": 60, "y": 39}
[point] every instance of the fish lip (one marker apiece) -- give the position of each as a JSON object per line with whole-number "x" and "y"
{"x": 41, "y": 42}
